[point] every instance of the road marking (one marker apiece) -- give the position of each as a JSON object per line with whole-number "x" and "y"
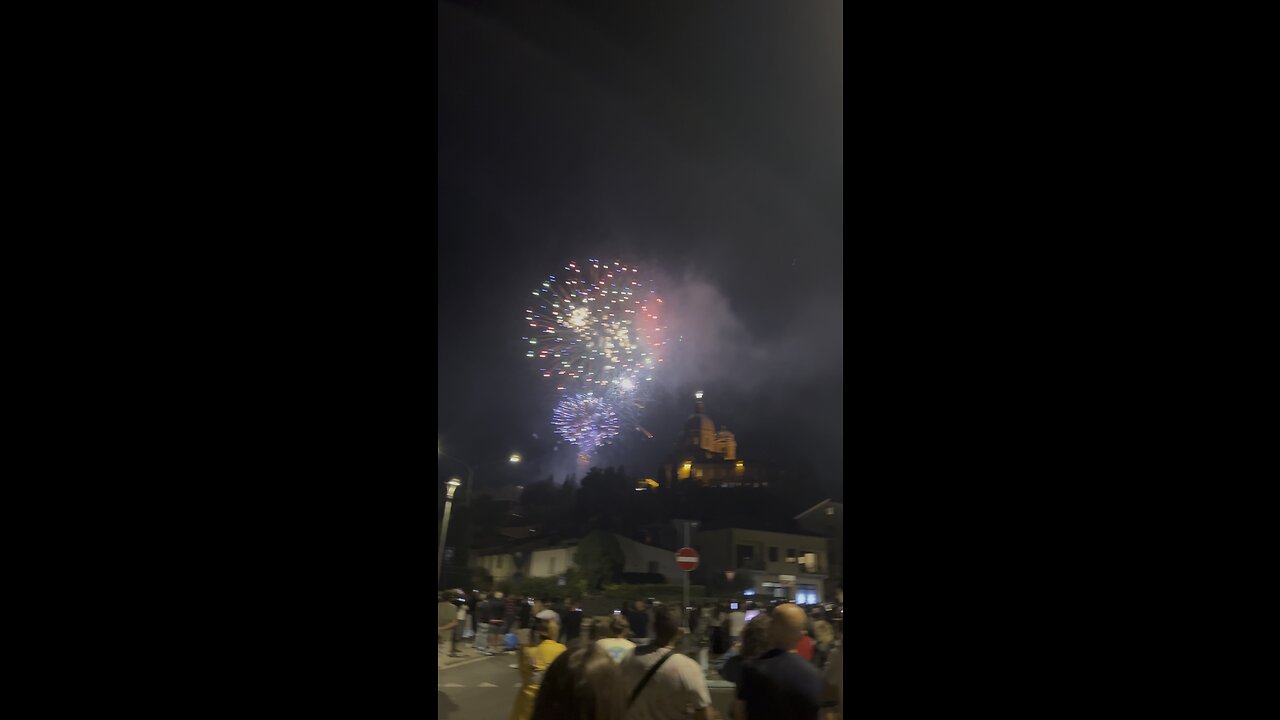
{"x": 451, "y": 685}
{"x": 467, "y": 662}
{"x": 486, "y": 684}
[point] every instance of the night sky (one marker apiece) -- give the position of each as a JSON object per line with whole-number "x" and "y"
{"x": 702, "y": 142}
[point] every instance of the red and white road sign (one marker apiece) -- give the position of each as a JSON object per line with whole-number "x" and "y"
{"x": 687, "y": 558}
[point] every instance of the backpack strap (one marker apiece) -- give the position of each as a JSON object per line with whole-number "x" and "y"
{"x": 645, "y": 680}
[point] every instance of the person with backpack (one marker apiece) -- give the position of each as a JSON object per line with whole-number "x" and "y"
{"x": 662, "y": 684}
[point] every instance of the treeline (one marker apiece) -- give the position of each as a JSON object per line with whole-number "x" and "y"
{"x": 607, "y": 499}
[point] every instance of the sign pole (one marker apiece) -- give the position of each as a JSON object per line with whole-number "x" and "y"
{"x": 684, "y": 609}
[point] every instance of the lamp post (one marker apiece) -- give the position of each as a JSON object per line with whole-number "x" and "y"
{"x": 514, "y": 459}
{"x": 444, "y": 529}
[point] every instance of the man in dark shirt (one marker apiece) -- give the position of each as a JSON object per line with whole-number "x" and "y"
{"x": 638, "y": 616}
{"x": 780, "y": 685}
{"x": 524, "y": 612}
{"x": 496, "y": 626}
{"x": 572, "y": 617}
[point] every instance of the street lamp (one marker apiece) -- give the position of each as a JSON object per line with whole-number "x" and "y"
{"x": 514, "y": 459}
{"x": 444, "y": 529}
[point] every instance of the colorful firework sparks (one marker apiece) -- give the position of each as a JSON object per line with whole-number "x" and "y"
{"x": 627, "y": 400}
{"x": 586, "y": 421}
{"x": 597, "y": 326}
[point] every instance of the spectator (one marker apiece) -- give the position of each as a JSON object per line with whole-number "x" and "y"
{"x": 534, "y": 659}
{"x": 572, "y": 622}
{"x": 737, "y": 620}
{"x": 833, "y": 685}
{"x": 613, "y": 640}
{"x": 718, "y": 645}
{"x": 446, "y": 617}
{"x": 460, "y": 603}
{"x": 497, "y": 626}
{"x": 548, "y": 612}
{"x": 704, "y": 622}
{"x": 581, "y": 684}
{"x": 639, "y": 617}
{"x": 662, "y": 684}
{"x": 779, "y": 685}
{"x": 755, "y": 642}
{"x": 826, "y": 640}
{"x": 805, "y": 647}
{"x": 509, "y": 610}
{"x": 482, "y": 624}
{"x": 525, "y": 612}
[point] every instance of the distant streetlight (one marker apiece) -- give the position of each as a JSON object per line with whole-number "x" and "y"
{"x": 514, "y": 459}
{"x": 451, "y": 487}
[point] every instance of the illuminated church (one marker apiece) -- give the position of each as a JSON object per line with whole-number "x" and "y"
{"x": 711, "y": 458}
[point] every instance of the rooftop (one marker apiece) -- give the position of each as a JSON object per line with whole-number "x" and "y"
{"x": 822, "y": 504}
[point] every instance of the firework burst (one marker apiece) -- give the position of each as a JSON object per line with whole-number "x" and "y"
{"x": 596, "y": 327}
{"x": 585, "y": 420}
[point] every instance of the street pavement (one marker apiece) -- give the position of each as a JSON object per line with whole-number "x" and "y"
{"x": 476, "y": 687}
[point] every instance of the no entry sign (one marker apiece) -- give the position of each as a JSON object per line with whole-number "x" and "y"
{"x": 687, "y": 558}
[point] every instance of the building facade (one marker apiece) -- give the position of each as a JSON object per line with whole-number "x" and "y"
{"x": 793, "y": 566}
{"x": 827, "y": 519}
{"x": 641, "y": 558}
{"x": 532, "y": 560}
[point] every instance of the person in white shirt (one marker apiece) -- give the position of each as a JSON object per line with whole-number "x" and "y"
{"x": 676, "y": 688}
{"x": 546, "y": 613}
{"x": 459, "y": 628}
{"x": 737, "y": 621}
{"x": 612, "y": 635}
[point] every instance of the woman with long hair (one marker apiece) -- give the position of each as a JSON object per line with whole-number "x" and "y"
{"x": 582, "y": 684}
{"x": 534, "y": 659}
{"x": 754, "y": 643}
{"x": 826, "y": 637}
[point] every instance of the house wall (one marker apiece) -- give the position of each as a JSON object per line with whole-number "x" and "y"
{"x": 639, "y": 556}
{"x": 551, "y": 562}
{"x": 500, "y": 566}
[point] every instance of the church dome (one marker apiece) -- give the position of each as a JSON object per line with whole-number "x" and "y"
{"x": 699, "y": 423}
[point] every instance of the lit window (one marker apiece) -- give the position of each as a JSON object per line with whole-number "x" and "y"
{"x": 831, "y": 511}
{"x": 791, "y": 555}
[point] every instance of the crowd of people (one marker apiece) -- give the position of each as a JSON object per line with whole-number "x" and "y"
{"x": 784, "y": 661}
